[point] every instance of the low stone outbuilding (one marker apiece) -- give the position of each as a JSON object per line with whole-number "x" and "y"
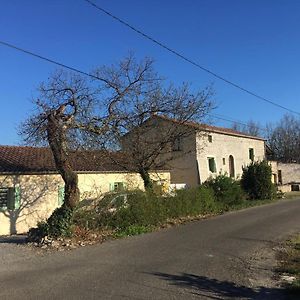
{"x": 286, "y": 176}
{"x": 31, "y": 188}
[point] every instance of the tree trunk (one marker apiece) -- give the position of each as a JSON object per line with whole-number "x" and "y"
{"x": 148, "y": 184}
{"x": 58, "y": 144}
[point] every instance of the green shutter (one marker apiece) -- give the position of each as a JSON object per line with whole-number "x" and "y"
{"x": 112, "y": 187}
{"x": 14, "y": 198}
{"x": 61, "y": 195}
{"x": 17, "y": 197}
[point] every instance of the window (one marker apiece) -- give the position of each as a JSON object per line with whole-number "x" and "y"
{"x": 177, "y": 144}
{"x": 212, "y": 165}
{"x": 224, "y": 161}
{"x": 9, "y": 198}
{"x": 279, "y": 177}
{"x": 117, "y": 186}
{"x": 251, "y": 154}
{"x": 210, "y": 138}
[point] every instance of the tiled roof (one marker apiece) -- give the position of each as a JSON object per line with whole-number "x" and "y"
{"x": 209, "y": 128}
{"x": 21, "y": 159}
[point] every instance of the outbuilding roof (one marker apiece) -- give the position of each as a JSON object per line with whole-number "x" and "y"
{"x": 24, "y": 159}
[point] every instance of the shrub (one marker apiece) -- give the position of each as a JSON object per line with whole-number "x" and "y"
{"x": 144, "y": 209}
{"x": 226, "y": 190}
{"x": 58, "y": 224}
{"x": 191, "y": 202}
{"x": 256, "y": 181}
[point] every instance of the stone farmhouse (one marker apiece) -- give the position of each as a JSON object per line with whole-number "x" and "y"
{"x": 31, "y": 188}
{"x": 208, "y": 151}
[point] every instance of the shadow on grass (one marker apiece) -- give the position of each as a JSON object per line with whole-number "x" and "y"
{"x": 202, "y": 286}
{"x": 13, "y": 239}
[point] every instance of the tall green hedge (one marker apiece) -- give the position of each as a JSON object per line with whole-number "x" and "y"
{"x": 257, "y": 180}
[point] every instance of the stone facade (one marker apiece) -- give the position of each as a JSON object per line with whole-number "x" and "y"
{"x": 286, "y": 176}
{"x": 230, "y": 153}
{"x": 209, "y": 151}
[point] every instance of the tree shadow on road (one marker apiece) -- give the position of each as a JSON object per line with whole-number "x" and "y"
{"x": 215, "y": 289}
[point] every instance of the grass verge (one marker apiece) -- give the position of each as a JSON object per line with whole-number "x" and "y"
{"x": 289, "y": 267}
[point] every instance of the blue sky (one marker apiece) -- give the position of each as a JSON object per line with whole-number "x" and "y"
{"x": 255, "y": 43}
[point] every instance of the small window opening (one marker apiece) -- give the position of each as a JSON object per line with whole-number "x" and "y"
{"x": 210, "y": 138}
{"x": 118, "y": 186}
{"x": 224, "y": 161}
{"x": 251, "y": 154}
{"x": 212, "y": 165}
{"x": 279, "y": 177}
{"x": 177, "y": 144}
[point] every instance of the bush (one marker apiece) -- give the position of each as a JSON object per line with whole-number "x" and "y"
{"x": 226, "y": 190}
{"x": 58, "y": 224}
{"x": 257, "y": 181}
{"x": 191, "y": 202}
{"x": 143, "y": 210}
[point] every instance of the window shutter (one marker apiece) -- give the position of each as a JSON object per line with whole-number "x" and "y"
{"x": 14, "y": 198}
{"x": 61, "y": 195}
{"x": 112, "y": 187}
{"x": 17, "y": 197}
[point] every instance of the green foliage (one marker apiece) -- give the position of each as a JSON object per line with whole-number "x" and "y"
{"x": 226, "y": 190}
{"x": 133, "y": 230}
{"x": 144, "y": 209}
{"x": 191, "y": 202}
{"x": 256, "y": 181}
{"x": 140, "y": 209}
{"x": 58, "y": 224}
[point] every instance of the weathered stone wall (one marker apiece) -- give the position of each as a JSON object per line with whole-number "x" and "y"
{"x": 290, "y": 172}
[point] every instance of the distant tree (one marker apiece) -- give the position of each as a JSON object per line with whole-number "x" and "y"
{"x": 284, "y": 139}
{"x": 251, "y": 127}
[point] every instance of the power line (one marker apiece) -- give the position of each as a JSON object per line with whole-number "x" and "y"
{"x": 224, "y": 118}
{"x": 185, "y": 58}
{"x": 48, "y": 60}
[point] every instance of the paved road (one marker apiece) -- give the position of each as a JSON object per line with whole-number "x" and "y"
{"x": 209, "y": 259}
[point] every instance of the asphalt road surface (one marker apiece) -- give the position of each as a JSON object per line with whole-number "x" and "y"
{"x": 224, "y": 257}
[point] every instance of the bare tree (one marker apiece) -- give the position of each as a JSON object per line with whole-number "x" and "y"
{"x": 138, "y": 100}
{"x": 252, "y": 128}
{"x": 73, "y": 113}
{"x": 63, "y": 108}
{"x": 284, "y": 139}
